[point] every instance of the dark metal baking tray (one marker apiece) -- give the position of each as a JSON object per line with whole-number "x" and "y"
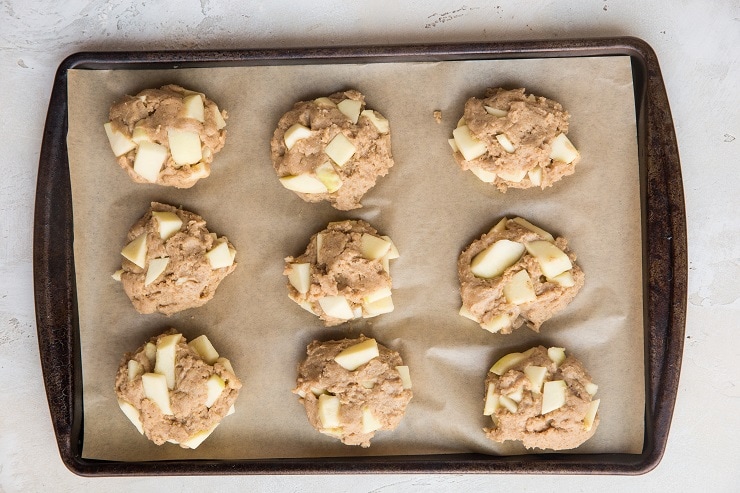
{"x": 664, "y": 263}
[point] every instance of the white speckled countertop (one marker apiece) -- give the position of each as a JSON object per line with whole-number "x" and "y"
{"x": 697, "y": 45}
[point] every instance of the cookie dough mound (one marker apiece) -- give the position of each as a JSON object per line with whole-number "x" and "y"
{"x": 514, "y": 140}
{"x": 166, "y": 136}
{"x": 332, "y": 148}
{"x": 352, "y": 388}
{"x": 171, "y": 262}
{"x": 174, "y": 391}
{"x": 516, "y": 273}
{"x": 541, "y": 398}
{"x": 344, "y": 273}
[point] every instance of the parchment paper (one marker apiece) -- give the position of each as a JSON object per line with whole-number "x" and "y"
{"x": 429, "y": 207}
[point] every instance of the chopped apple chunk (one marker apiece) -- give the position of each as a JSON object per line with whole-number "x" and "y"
{"x": 303, "y": 184}
{"x": 527, "y": 225}
{"x": 563, "y": 150}
{"x": 519, "y": 289}
{"x": 168, "y": 223}
{"x": 140, "y": 135}
{"x": 155, "y": 389}
{"x": 355, "y": 356}
{"x": 377, "y": 295}
{"x": 380, "y": 123}
{"x": 119, "y": 143}
{"x": 117, "y": 275}
{"x": 492, "y": 400}
{"x": 132, "y": 414}
{"x": 329, "y": 177}
{"x": 215, "y": 386}
{"x": 403, "y": 371}
{"x": 470, "y": 147}
{"x": 496, "y": 112}
{"x": 194, "y": 440}
{"x": 392, "y": 251}
{"x": 372, "y": 247}
{"x": 513, "y": 176}
{"x": 369, "y": 422}
{"x": 453, "y": 145}
{"x": 193, "y": 107}
{"x": 300, "y": 277}
{"x": 494, "y": 260}
{"x": 556, "y": 355}
{"x": 483, "y": 174}
{"x": 509, "y": 404}
{"x": 203, "y": 347}
{"x": 350, "y": 108}
{"x": 329, "y": 406}
{"x": 464, "y": 312}
{"x": 218, "y": 117}
{"x": 497, "y": 323}
{"x": 324, "y": 101}
{"x": 535, "y": 176}
{"x": 225, "y": 363}
{"x": 378, "y": 307}
{"x": 220, "y": 256}
{"x": 505, "y": 143}
{"x": 588, "y": 420}
{"x": 149, "y": 160}
{"x": 164, "y": 363}
{"x": 185, "y": 146}
{"x": 134, "y": 369}
{"x": 553, "y": 396}
{"x": 591, "y": 388}
{"x": 337, "y": 307}
{"x": 156, "y": 267}
{"x": 295, "y": 133}
{"x": 553, "y": 261}
{"x": 509, "y": 361}
{"x": 136, "y": 251}
{"x": 340, "y": 149}
{"x": 565, "y": 279}
{"x": 536, "y": 376}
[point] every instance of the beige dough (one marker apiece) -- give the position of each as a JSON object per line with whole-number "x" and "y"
{"x": 188, "y": 280}
{"x": 484, "y": 300}
{"x": 324, "y": 119}
{"x": 343, "y": 274}
{"x": 154, "y": 112}
{"x": 376, "y": 387}
{"x": 563, "y": 428}
{"x": 531, "y": 124}
{"x": 191, "y": 420}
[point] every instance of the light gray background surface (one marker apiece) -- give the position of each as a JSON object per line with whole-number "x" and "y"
{"x": 697, "y": 44}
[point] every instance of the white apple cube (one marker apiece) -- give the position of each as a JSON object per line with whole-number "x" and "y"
{"x": 535, "y": 176}
{"x": 306, "y": 305}
{"x": 369, "y": 422}
{"x": 386, "y": 263}
{"x": 226, "y": 364}
{"x": 492, "y": 400}
{"x": 329, "y": 411}
{"x": 513, "y": 176}
{"x": 517, "y": 395}
{"x": 324, "y": 101}
{"x": 565, "y": 279}
{"x": 509, "y": 361}
{"x": 393, "y": 251}
{"x": 350, "y": 108}
{"x": 553, "y": 261}
{"x": 483, "y": 175}
{"x": 218, "y": 117}
{"x": 150, "y": 350}
{"x": 494, "y": 260}
{"x": 563, "y": 150}
{"x": 527, "y": 225}
{"x": 203, "y": 347}
{"x": 519, "y": 289}
{"x": 168, "y": 223}
{"x": 215, "y": 386}
{"x": 295, "y": 133}
{"x": 378, "y": 307}
{"x": 134, "y": 369}
{"x": 592, "y": 388}
{"x": 403, "y": 372}
{"x": 340, "y": 149}
{"x": 461, "y": 122}
{"x": 156, "y": 267}
{"x": 496, "y": 112}
{"x": 470, "y": 147}
{"x": 509, "y": 404}
{"x": 588, "y": 420}
{"x": 319, "y": 247}
{"x": 165, "y": 359}
{"x": 136, "y": 250}
{"x": 185, "y": 146}
{"x": 337, "y": 307}
{"x": 300, "y": 277}
{"x": 378, "y": 120}
{"x": 119, "y": 142}
{"x": 117, "y": 275}
{"x": 132, "y": 414}
{"x": 355, "y": 356}
{"x": 149, "y": 160}
{"x": 231, "y": 410}
{"x": 497, "y": 323}
{"x": 220, "y": 256}
{"x": 553, "y": 396}
{"x": 372, "y": 247}
{"x": 377, "y": 295}
{"x": 505, "y": 143}
{"x": 328, "y": 176}
{"x": 155, "y": 389}
{"x": 140, "y": 135}
{"x": 556, "y": 355}
{"x": 194, "y": 440}
{"x": 464, "y": 312}
{"x": 536, "y": 376}
{"x": 192, "y": 107}
{"x": 303, "y": 183}
{"x": 500, "y": 226}
{"x": 368, "y": 384}
{"x": 453, "y": 145}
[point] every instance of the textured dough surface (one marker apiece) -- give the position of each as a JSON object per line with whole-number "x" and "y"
{"x": 341, "y": 270}
{"x": 187, "y": 399}
{"x": 372, "y": 158}
{"x": 484, "y": 298}
{"x": 188, "y": 280}
{"x": 157, "y": 110}
{"x": 560, "y": 429}
{"x": 387, "y": 399}
{"x": 531, "y": 125}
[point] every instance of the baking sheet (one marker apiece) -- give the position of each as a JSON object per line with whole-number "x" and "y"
{"x": 430, "y": 208}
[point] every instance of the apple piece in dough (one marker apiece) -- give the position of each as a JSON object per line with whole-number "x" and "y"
{"x": 513, "y": 176}
{"x": 509, "y": 404}
{"x": 517, "y": 395}
{"x": 519, "y": 289}
{"x": 369, "y": 422}
{"x": 564, "y": 280}
{"x": 588, "y": 420}
{"x": 220, "y": 256}
{"x": 329, "y": 411}
{"x": 377, "y": 295}
{"x": 132, "y": 414}
{"x": 168, "y": 223}
{"x": 494, "y": 260}
{"x": 378, "y": 307}
{"x": 140, "y": 134}
{"x": 218, "y": 117}
{"x": 497, "y": 323}
{"x": 324, "y": 101}
{"x": 492, "y": 400}
{"x": 470, "y": 147}
{"x": 203, "y": 347}
{"x": 149, "y": 160}
{"x": 553, "y": 261}
{"x": 300, "y": 277}
{"x": 591, "y": 388}
{"x": 556, "y": 355}
{"x": 337, "y": 307}
{"x": 295, "y": 133}
{"x": 563, "y": 150}
{"x": 393, "y": 251}
{"x": 119, "y": 142}
{"x": 355, "y": 356}
{"x": 185, "y": 146}
{"x": 496, "y": 112}
{"x": 372, "y": 247}
{"x": 215, "y": 386}
{"x": 350, "y": 108}
{"x": 117, "y": 275}
{"x": 553, "y": 396}
{"x": 483, "y": 174}
{"x": 464, "y": 312}
{"x": 403, "y": 371}
{"x": 527, "y": 225}
{"x": 192, "y": 107}
{"x": 164, "y": 363}
{"x": 156, "y": 267}
{"x": 535, "y": 176}
{"x": 453, "y": 145}
{"x": 536, "y": 376}
{"x": 500, "y": 226}
{"x": 303, "y": 183}
{"x": 136, "y": 250}
{"x": 226, "y": 364}
{"x": 340, "y": 149}
{"x": 134, "y": 369}
{"x": 509, "y": 361}
{"x": 328, "y": 176}
{"x": 378, "y": 120}
{"x": 194, "y": 440}
{"x": 155, "y": 389}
